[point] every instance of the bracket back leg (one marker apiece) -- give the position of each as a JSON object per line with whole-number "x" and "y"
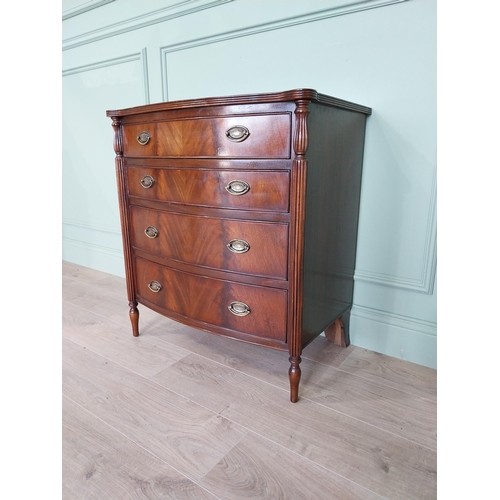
{"x": 338, "y": 331}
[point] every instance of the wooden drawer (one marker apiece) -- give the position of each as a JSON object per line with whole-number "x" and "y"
{"x": 268, "y": 191}
{"x": 208, "y": 300}
{"x": 268, "y": 137}
{"x": 204, "y": 241}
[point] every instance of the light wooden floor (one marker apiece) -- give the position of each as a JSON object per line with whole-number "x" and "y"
{"x": 182, "y": 414}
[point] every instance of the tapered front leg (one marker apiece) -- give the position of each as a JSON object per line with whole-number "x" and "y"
{"x": 134, "y": 318}
{"x": 294, "y": 376}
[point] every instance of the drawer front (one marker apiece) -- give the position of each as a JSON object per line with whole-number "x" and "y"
{"x": 257, "y": 248}
{"x": 211, "y": 301}
{"x": 268, "y": 191}
{"x": 261, "y": 136}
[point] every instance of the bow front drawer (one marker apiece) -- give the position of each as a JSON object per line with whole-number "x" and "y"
{"x": 247, "y": 136}
{"x": 256, "y": 248}
{"x": 253, "y": 310}
{"x": 244, "y": 190}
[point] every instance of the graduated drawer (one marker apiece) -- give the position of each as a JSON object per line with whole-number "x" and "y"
{"x": 258, "y": 311}
{"x": 252, "y": 136}
{"x": 256, "y": 248}
{"x": 248, "y": 190}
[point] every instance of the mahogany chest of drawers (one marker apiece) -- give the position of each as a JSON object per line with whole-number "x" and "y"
{"x": 239, "y": 214}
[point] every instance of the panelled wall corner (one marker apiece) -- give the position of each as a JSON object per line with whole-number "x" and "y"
{"x": 119, "y": 55}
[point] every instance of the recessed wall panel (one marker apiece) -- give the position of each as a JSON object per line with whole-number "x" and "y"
{"x": 89, "y": 200}
{"x": 354, "y": 58}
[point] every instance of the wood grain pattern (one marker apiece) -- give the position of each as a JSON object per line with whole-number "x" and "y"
{"x": 99, "y": 279}
{"x": 336, "y": 333}
{"x": 206, "y": 137}
{"x": 242, "y": 100}
{"x": 394, "y": 409}
{"x": 111, "y": 340}
{"x": 100, "y": 462}
{"x": 207, "y": 300}
{"x": 233, "y": 437}
{"x": 207, "y": 187}
{"x": 183, "y": 434}
{"x": 258, "y": 468}
{"x": 325, "y": 352}
{"x": 394, "y": 372}
{"x": 203, "y": 241}
{"x": 377, "y": 460}
{"x": 87, "y": 297}
{"x": 401, "y": 399}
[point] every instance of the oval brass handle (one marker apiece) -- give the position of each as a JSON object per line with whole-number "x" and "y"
{"x": 151, "y": 232}
{"x": 238, "y": 133}
{"x": 154, "y": 286}
{"x": 239, "y": 308}
{"x": 237, "y": 187}
{"x": 147, "y": 181}
{"x": 238, "y": 246}
{"x": 143, "y": 138}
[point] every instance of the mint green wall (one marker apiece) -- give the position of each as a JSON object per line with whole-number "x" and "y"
{"x": 379, "y": 53}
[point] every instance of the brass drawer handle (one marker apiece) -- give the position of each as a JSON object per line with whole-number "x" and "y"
{"x": 143, "y": 138}
{"x": 154, "y": 286}
{"x": 147, "y": 181}
{"x": 238, "y": 133}
{"x": 151, "y": 232}
{"x": 239, "y": 308}
{"x": 238, "y": 246}
{"x": 237, "y": 187}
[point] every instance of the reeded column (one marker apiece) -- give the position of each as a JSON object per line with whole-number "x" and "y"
{"x": 300, "y": 144}
{"x": 121, "y": 181}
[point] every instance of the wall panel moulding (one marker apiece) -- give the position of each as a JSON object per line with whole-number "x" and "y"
{"x": 168, "y": 13}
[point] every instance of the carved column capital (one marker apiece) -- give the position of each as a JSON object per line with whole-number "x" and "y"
{"x": 118, "y": 139}
{"x": 301, "y": 139}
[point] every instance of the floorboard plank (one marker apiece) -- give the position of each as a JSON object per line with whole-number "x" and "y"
{"x": 183, "y": 434}
{"x": 98, "y": 279}
{"x": 393, "y": 372}
{"x": 380, "y": 461}
{"x": 100, "y": 463}
{"x": 259, "y": 469}
{"x": 321, "y": 350}
{"x": 390, "y": 408}
{"x": 218, "y": 411}
{"x": 111, "y": 305}
{"x": 143, "y": 355}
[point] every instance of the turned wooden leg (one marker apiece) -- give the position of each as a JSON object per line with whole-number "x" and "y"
{"x": 134, "y": 318}
{"x": 338, "y": 331}
{"x": 294, "y": 376}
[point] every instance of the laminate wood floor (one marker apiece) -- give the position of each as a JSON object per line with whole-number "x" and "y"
{"x": 181, "y": 414}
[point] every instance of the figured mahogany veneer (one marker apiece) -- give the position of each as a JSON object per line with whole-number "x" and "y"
{"x": 206, "y": 301}
{"x": 213, "y": 242}
{"x": 268, "y": 190}
{"x": 239, "y": 214}
{"x": 206, "y": 137}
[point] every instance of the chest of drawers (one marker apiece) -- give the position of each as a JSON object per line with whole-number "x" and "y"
{"x": 239, "y": 214}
